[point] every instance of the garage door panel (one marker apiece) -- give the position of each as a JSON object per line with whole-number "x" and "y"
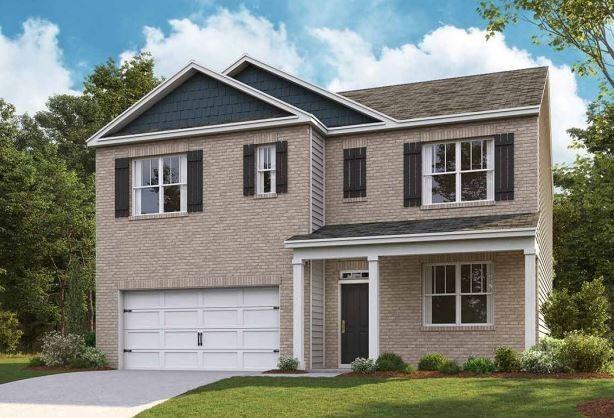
{"x": 220, "y": 339}
{"x": 142, "y": 300}
{"x": 142, "y": 320}
{"x": 221, "y": 318}
{"x": 142, "y": 339}
{"x": 181, "y": 360}
{"x": 221, "y": 360}
{"x": 181, "y": 339}
{"x": 142, "y": 360}
{"x": 260, "y": 296}
{"x": 221, "y": 297}
{"x": 260, "y": 339}
{"x": 181, "y": 319}
{"x": 261, "y": 318}
{"x": 181, "y": 298}
{"x": 260, "y": 360}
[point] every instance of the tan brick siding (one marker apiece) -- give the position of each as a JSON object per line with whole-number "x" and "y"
{"x": 235, "y": 240}
{"x": 384, "y": 201}
{"x": 401, "y": 329}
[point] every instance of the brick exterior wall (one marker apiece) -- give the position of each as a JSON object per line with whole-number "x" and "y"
{"x": 235, "y": 241}
{"x": 401, "y": 304}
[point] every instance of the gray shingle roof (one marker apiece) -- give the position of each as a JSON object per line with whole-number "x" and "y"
{"x": 503, "y": 90}
{"x": 423, "y": 226}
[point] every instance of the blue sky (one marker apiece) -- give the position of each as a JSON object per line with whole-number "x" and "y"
{"x": 339, "y": 45}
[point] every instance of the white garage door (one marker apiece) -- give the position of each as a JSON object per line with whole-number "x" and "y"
{"x": 208, "y": 329}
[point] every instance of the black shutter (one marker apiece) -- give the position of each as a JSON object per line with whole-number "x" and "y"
{"x": 355, "y": 172}
{"x": 504, "y": 166}
{"x": 361, "y": 163}
{"x": 412, "y": 174}
{"x": 195, "y": 181}
{"x": 122, "y": 187}
{"x": 347, "y": 159}
{"x": 249, "y": 170}
{"x": 281, "y": 167}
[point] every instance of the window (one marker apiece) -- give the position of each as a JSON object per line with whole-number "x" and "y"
{"x": 355, "y": 172}
{"x": 265, "y": 169}
{"x": 458, "y": 294}
{"x": 460, "y": 171}
{"x": 155, "y": 193}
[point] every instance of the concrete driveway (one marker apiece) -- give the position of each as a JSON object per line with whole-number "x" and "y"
{"x": 113, "y": 393}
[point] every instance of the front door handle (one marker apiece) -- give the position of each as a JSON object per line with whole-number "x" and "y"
{"x": 343, "y": 326}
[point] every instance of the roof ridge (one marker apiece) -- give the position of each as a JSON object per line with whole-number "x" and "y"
{"x": 444, "y": 79}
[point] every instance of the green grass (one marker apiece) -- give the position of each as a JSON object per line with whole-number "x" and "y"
{"x": 341, "y": 396}
{"x": 15, "y": 368}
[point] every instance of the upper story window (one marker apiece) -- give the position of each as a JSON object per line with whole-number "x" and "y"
{"x": 458, "y": 294}
{"x": 461, "y": 171}
{"x": 160, "y": 185}
{"x": 265, "y": 169}
{"x": 355, "y": 172}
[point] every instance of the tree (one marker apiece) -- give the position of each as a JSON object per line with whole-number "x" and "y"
{"x": 586, "y": 25}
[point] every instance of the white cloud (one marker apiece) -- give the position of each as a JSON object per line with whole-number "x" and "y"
{"x": 449, "y": 51}
{"x": 218, "y": 41}
{"x": 31, "y": 67}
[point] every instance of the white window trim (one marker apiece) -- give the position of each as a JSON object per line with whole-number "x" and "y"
{"x": 427, "y": 172}
{"x": 260, "y": 171}
{"x": 490, "y": 295}
{"x": 137, "y": 186}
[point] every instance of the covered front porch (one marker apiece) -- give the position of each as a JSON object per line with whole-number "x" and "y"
{"x": 358, "y": 294}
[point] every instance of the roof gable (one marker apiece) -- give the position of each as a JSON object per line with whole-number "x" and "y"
{"x": 332, "y": 112}
{"x": 200, "y": 101}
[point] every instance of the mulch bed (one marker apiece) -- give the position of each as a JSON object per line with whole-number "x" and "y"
{"x": 428, "y": 374}
{"x": 64, "y": 369}
{"x": 597, "y": 408}
{"x": 275, "y": 371}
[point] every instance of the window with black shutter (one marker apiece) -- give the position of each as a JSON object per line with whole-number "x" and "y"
{"x": 355, "y": 172}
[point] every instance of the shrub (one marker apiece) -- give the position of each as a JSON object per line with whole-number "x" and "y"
{"x": 10, "y": 332}
{"x": 363, "y": 365}
{"x": 409, "y": 368}
{"x": 59, "y": 350}
{"x": 287, "y": 364}
{"x": 585, "y": 353}
{"x": 90, "y": 338}
{"x": 586, "y": 310}
{"x": 544, "y": 357}
{"x": 389, "y": 362}
{"x": 479, "y": 365}
{"x": 449, "y": 367}
{"x": 36, "y": 361}
{"x": 431, "y": 361}
{"x": 507, "y": 360}
{"x": 93, "y": 357}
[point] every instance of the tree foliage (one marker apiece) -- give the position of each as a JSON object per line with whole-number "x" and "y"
{"x": 586, "y": 25}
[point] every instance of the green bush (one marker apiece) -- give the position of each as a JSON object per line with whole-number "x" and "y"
{"x": 585, "y": 311}
{"x": 479, "y": 365}
{"x": 93, "y": 357}
{"x": 449, "y": 367}
{"x": 431, "y": 361}
{"x": 544, "y": 357}
{"x": 79, "y": 363}
{"x": 10, "y": 332}
{"x": 36, "y": 361}
{"x": 585, "y": 353}
{"x": 287, "y": 364}
{"x": 409, "y": 368}
{"x": 507, "y": 360}
{"x": 59, "y": 350}
{"x": 389, "y": 362}
{"x": 363, "y": 365}
{"x": 90, "y": 338}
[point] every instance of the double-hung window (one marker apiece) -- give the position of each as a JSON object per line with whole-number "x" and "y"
{"x": 265, "y": 169}
{"x": 458, "y": 294}
{"x": 160, "y": 185}
{"x": 461, "y": 171}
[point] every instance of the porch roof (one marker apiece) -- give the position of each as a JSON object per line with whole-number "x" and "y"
{"x": 422, "y": 226}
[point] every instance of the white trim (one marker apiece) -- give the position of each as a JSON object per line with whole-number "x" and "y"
{"x": 374, "y": 296}
{"x": 530, "y": 306}
{"x": 298, "y": 312}
{"x": 405, "y": 238}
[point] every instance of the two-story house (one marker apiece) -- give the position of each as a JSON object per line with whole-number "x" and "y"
{"x": 250, "y": 214}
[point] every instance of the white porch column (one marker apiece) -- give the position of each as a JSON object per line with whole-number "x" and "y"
{"x": 373, "y": 306}
{"x": 530, "y": 311}
{"x": 298, "y": 312}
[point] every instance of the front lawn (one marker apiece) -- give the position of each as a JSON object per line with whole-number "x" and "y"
{"x": 16, "y": 368}
{"x": 345, "y": 396}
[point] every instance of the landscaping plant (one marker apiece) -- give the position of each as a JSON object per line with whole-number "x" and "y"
{"x": 431, "y": 361}
{"x": 480, "y": 365}
{"x": 363, "y": 365}
{"x": 585, "y": 353}
{"x": 10, "y": 332}
{"x": 544, "y": 357}
{"x": 287, "y": 364}
{"x": 507, "y": 360}
{"x": 450, "y": 367}
{"x": 389, "y": 362}
{"x": 59, "y": 350}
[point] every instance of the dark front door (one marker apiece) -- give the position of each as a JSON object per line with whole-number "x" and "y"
{"x": 354, "y": 322}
